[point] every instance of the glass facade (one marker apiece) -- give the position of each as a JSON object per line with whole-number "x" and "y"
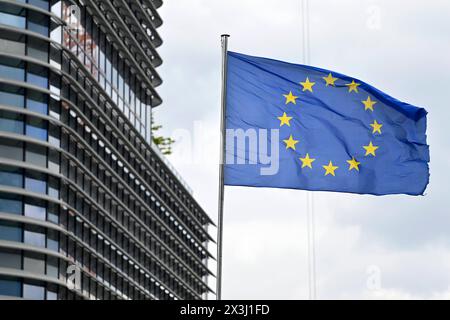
{"x": 10, "y": 232}
{"x": 10, "y": 204}
{"x": 11, "y": 96}
{"x": 80, "y": 186}
{"x": 13, "y": 16}
{"x": 10, "y": 288}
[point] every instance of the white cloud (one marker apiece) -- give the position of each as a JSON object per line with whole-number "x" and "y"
{"x": 265, "y": 234}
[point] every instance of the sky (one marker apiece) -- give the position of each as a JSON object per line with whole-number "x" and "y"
{"x": 367, "y": 247}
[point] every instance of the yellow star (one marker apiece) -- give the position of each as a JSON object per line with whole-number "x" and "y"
{"x": 353, "y": 86}
{"x": 370, "y": 149}
{"x": 368, "y": 104}
{"x": 329, "y": 169}
{"x": 290, "y": 97}
{"x": 376, "y": 127}
{"x": 307, "y": 161}
{"x": 329, "y": 80}
{"x": 284, "y": 120}
{"x": 290, "y": 143}
{"x": 307, "y": 85}
{"x": 353, "y": 164}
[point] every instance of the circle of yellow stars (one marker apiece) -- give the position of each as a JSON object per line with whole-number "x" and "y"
{"x": 307, "y": 161}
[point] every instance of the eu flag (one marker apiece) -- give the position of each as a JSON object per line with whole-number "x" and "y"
{"x": 301, "y": 127}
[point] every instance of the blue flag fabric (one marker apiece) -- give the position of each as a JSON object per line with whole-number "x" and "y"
{"x": 300, "y": 127}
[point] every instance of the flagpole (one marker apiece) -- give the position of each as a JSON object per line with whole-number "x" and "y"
{"x": 224, "y": 40}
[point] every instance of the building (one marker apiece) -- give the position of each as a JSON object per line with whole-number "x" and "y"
{"x": 88, "y": 207}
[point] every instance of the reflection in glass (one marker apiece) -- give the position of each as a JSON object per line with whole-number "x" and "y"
{"x": 36, "y": 128}
{"x": 39, "y": 3}
{"x": 52, "y": 267}
{"x": 11, "y": 96}
{"x": 37, "y": 76}
{"x": 53, "y": 161}
{"x": 12, "y": 69}
{"x": 10, "y": 232}
{"x": 10, "y": 259}
{"x": 34, "y": 236}
{"x": 10, "y": 204}
{"x": 37, "y": 102}
{"x": 38, "y": 22}
{"x": 33, "y": 292}
{"x": 34, "y": 262}
{"x": 37, "y": 49}
{"x": 11, "y": 122}
{"x": 53, "y": 187}
{"x": 11, "y": 149}
{"x": 53, "y": 213}
{"x": 11, "y": 288}
{"x": 11, "y": 177}
{"x": 36, "y": 155}
{"x": 35, "y": 183}
{"x": 52, "y": 240}
{"x": 13, "y": 20}
{"x": 35, "y": 211}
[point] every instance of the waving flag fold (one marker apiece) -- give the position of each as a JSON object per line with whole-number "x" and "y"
{"x": 301, "y": 127}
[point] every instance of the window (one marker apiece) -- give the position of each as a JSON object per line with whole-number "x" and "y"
{"x": 12, "y": 16}
{"x": 34, "y": 262}
{"x": 53, "y": 240}
{"x": 11, "y": 96}
{"x": 148, "y": 124}
{"x": 132, "y": 99}
{"x": 52, "y": 267}
{"x": 11, "y": 177}
{"x": 52, "y": 295}
{"x": 36, "y": 155}
{"x": 39, "y": 3}
{"x": 53, "y": 213}
{"x": 11, "y": 122}
{"x": 38, "y": 22}
{"x": 53, "y": 187}
{"x": 53, "y": 161}
{"x": 12, "y": 69}
{"x": 36, "y": 182}
{"x": 108, "y": 68}
{"x": 89, "y": 43}
{"x": 11, "y": 149}
{"x": 10, "y": 259}
{"x": 121, "y": 102}
{"x": 126, "y": 96}
{"x": 35, "y": 209}
{"x": 54, "y": 136}
{"x": 138, "y": 104}
{"x": 115, "y": 77}
{"x": 36, "y": 128}
{"x": 55, "y": 109}
{"x": 10, "y": 287}
{"x": 55, "y": 87}
{"x": 10, "y": 232}
{"x": 34, "y": 236}
{"x": 37, "y": 49}
{"x": 12, "y": 42}
{"x": 10, "y": 204}
{"x": 102, "y": 59}
{"x": 37, "y": 102}
{"x": 37, "y": 75}
{"x": 33, "y": 292}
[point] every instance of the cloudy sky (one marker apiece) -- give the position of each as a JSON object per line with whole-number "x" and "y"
{"x": 367, "y": 247}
